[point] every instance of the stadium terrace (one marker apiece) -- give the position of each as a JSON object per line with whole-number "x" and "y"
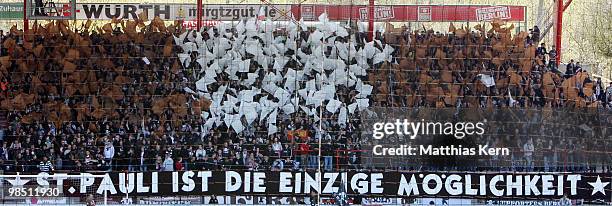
{"x": 268, "y": 107}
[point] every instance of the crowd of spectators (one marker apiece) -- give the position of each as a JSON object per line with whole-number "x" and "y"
{"x": 474, "y": 68}
{"x": 559, "y": 140}
{"x": 86, "y": 100}
{"x": 449, "y": 70}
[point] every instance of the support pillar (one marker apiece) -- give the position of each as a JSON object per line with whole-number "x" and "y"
{"x": 26, "y": 25}
{"x": 370, "y": 20}
{"x": 559, "y": 29}
{"x": 199, "y": 15}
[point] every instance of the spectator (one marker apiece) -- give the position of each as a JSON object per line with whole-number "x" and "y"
{"x": 609, "y": 95}
{"x": 168, "y": 164}
{"x": 4, "y": 152}
{"x": 109, "y": 152}
{"x": 353, "y": 160}
{"x": 131, "y": 156}
{"x": 192, "y": 164}
{"x": 535, "y": 34}
{"x": 39, "y": 9}
{"x": 16, "y": 145}
{"x": 528, "y": 150}
{"x": 45, "y": 165}
{"x": 144, "y": 157}
{"x": 4, "y": 87}
{"x": 2, "y": 37}
{"x": 3, "y": 125}
{"x": 538, "y": 154}
{"x": 570, "y": 69}
{"x": 277, "y": 148}
{"x": 59, "y": 163}
{"x": 313, "y": 158}
{"x": 541, "y": 51}
{"x": 287, "y": 151}
{"x": 565, "y": 201}
{"x": 263, "y": 161}
{"x": 328, "y": 153}
{"x": 179, "y": 164}
{"x": 88, "y": 160}
{"x": 552, "y": 58}
{"x": 159, "y": 164}
{"x": 578, "y": 68}
{"x": 252, "y": 162}
{"x": 314, "y": 199}
{"x": 302, "y": 151}
{"x": 550, "y": 156}
{"x": 213, "y": 200}
{"x": 571, "y": 156}
{"x": 599, "y": 94}
{"x": 200, "y": 153}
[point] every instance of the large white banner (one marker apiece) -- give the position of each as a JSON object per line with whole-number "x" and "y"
{"x": 180, "y": 11}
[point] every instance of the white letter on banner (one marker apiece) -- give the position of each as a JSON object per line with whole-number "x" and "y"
{"x": 284, "y": 185}
{"x": 258, "y": 182}
{"x": 205, "y": 175}
{"x": 190, "y": 184}
{"x": 87, "y": 180}
{"x": 230, "y": 177}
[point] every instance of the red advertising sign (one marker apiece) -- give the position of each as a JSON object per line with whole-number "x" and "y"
{"x": 194, "y": 24}
{"x": 489, "y": 13}
{"x": 380, "y": 13}
{"x": 399, "y": 13}
{"x": 424, "y": 13}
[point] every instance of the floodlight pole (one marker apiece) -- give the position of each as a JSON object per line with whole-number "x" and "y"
{"x": 370, "y": 20}
{"x": 561, "y": 7}
{"x": 199, "y": 15}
